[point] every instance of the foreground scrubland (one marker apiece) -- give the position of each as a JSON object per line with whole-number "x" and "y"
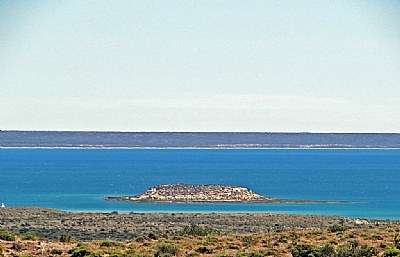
{"x": 200, "y": 241}
{"x": 38, "y": 232}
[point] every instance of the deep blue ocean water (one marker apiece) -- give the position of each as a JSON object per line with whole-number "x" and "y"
{"x": 77, "y": 179}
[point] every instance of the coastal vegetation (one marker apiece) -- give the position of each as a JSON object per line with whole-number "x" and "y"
{"x": 34, "y": 222}
{"x": 200, "y": 241}
{"x": 33, "y": 231}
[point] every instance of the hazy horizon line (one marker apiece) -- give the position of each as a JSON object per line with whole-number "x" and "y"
{"x": 127, "y": 131}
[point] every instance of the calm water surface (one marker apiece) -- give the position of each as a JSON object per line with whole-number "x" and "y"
{"x": 77, "y": 179}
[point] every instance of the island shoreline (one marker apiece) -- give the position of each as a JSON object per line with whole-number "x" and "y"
{"x": 208, "y": 194}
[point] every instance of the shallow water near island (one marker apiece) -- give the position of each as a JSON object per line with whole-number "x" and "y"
{"x": 78, "y": 179}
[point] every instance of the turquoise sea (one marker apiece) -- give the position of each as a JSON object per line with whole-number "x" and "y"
{"x": 78, "y": 179}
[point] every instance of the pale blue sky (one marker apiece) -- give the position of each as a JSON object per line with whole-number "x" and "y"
{"x": 318, "y": 66}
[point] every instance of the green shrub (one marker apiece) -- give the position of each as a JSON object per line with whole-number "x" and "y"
{"x": 108, "y": 243}
{"x": 326, "y": 250}
{"x": 203, "y": 249}
{"x": 83, "y": 252}
{"x": 211, "y": 241}
{"x": 7, "y": 236}
{"x": 80, "y": 246}
{"x": 152, "y": 235}
{"x": 31, "y": 236}
{"x": 376, "y": 236}
{"x": 351, "y": 249}
{"x": 346, "y": 236}
{"x": 301, "y": 250}
{"x": 307, "y": 250}
{"x": 65, "y": 238}
{"x": 195, "y": 230}
{"x": 391, "y": 253}
{"x": 56, "y": 251}
{"x": 294, "y": 235}
{"x": 166, "y": 250}
{"x": 80, "y": 253}
{"x": 131, "y": 248}
{"x": 233, "y": 246}
{"x": 312, "y": 233}
{"x": 337, "y": 228}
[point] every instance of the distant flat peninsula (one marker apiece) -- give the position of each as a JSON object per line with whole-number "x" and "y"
{"x": 194, "y": 193}
{"x": 89, "y": 139}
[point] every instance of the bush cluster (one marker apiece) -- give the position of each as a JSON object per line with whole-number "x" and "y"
{"x": 337, "y": 228}
{"x": 65, "y": 238}
{"x": 56, "y": 251}
{"x": 83, "y": 253}
{"x": 166, "y": 250}
{"x": 7, "y": 236}
{"x": 392, "y": 253}
{"x": 196, "y": 230}
{"x": 350, "y": 249}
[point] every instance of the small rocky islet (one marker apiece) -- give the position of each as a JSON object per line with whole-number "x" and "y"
{"x": 197, "y": 193}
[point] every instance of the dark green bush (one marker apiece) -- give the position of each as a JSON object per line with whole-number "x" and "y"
{"x": 108, "y": 243}
{"x": 307, "y": 250}
{"x": 392, "y": 253}
{"x": 326, "y": 251}
{"x": 80, "y": 253}
{"x": 352, "y": 249}
{"x": 337, "y": 228}
{"x": 83, "y": 252}
{"x": 65, "y": 238}
{"x": 152, "y": 236}
{"x": 56, "y": 251}
{"x": 195, "y": 230}
{"x": 376, "y": 236}
{"x": 203, "y": 249}
{"x": 7, "y": 236}
{"x": 31, "y": 236}
{"x": 233, "y": 246}
{"x": 166, "y": 250}
{"x": 301, "y": 250}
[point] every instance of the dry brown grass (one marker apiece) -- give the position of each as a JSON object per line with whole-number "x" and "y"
{"x": 262, "y": 244}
